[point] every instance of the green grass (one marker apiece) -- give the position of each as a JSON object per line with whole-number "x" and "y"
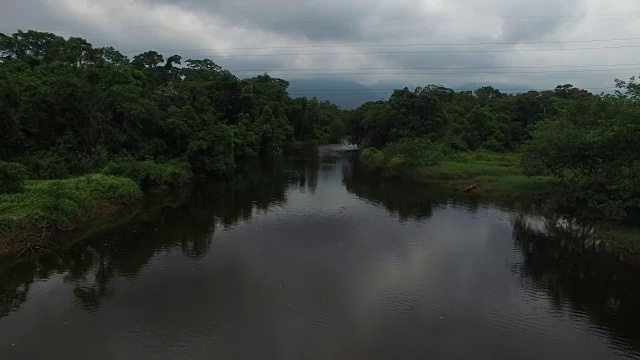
{"x": 453, "y": 170}
{"x": 487, "y": 157}
{"x": 46, "y": 206}
{"x": 495, "y": 174}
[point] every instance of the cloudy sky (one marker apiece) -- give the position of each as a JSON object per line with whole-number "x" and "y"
{"x": 377, "y": 43}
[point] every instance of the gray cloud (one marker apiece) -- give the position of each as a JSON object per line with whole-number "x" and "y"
{"x": 207, "y": 28}
{"x": 539, "y": 22}
{"x": 325, "y": 20}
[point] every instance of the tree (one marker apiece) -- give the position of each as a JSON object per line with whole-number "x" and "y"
{"x": 146, "y": 60}
{"x": 67, "y": 109}
{"x": 592, "y": 146}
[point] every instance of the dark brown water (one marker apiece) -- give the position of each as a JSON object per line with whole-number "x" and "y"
{"x": 311, "y": 258}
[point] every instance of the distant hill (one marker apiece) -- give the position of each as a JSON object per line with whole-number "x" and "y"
{"x": 347, "y": 94}
{"x": 350, "y": 94}
{"x": 504, "y": 88}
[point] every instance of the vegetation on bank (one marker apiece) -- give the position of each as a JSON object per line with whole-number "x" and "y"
{"x": 150, "y": 175}
{"x": 30, "y": 210}
{"x": 494, "y": 174}
{"x": 46, "y": 206}
{"x": 580, "y": 150}
{"x": 68, "y": 109}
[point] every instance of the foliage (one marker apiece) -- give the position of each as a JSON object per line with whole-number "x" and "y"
{"x": 484, "y": 119}
{"x": 63, "y": 162}
{"x": 594, "y": 148}
{"x": 587, "y": 145}
{"x": 409, "y": 154}
{"x": 67, "y": 109}
{"x": 316, "y": 121}
{"x": 12, "y": 177}
{"x": 372, "y": 157}
{"x": 47, "y": 205}
{"x": 211, "y": 151}
{"x": 149, "y": 174}
{"x": 404, "y": 156}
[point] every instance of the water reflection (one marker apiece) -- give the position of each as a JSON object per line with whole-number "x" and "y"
{"x": 329, "y": 262}
{"x": 407, "y": 200}
{"x": 565, "y": 259}
{"x": 186, "y": 219}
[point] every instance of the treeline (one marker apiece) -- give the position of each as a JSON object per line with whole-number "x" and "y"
{"x": 469, "y": 120}
{"x": 68, "y": 108}
{"x": 589, "y": 143}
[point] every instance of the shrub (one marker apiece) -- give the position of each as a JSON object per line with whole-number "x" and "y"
{"x": 411, "y": 153}
{"x": 60, "y": 163}
{"x": 212, "y": 151}
{"x": 148, "y": 174}
{"x": 12, "y": 177}
{"x": 60, "y": 204}
{"x": 372, "y": 157}
{"x": 593, "y": 150}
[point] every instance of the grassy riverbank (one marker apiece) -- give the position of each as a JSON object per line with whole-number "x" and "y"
{"x": 495, "y": 174}
{"x": 44, "y": 207}
{"x": 47, "y": 206}
{"x": 499, "y": 176}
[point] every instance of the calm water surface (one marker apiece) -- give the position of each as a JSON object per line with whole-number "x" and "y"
{"x": 309, "y": 257}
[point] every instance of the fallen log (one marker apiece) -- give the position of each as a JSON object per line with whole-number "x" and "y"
{"x": 470, "y": 188}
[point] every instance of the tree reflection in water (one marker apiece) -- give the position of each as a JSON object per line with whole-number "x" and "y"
{"x": 562, "y": 258}
{"x": 567, "y": 261}
{"x": 184, "y": 220}
{"x": 407, "y": 200}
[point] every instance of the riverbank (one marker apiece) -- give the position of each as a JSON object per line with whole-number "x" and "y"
{"x": 496, "y": 176}
{"x": 487, "y": 173}
{"x": 28, "y": 219}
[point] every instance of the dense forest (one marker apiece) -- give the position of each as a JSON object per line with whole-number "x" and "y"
{"x": 67, "y": 108}
{"x": 587, "y": 145}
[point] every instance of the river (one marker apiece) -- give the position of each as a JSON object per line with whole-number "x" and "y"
{"x": 310, "y": 257}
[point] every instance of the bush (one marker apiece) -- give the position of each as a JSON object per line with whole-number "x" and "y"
{"x": 60, "y": 204}
{"x": 61, "y": 163}
{"x": 412, "y": 153}
{"x": 12, "y": 177}
{"x": 372, "y": 157}
{"x": 493, "y": 145}
{"x": 148, "y": 174}
{"x": 593, "y": 150}
{"x": 211, "y": 152}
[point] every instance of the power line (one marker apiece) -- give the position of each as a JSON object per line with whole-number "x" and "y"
{"x": 571, "y": 15}
{"x": 433, "y": 68}
{"x": 427, "y": 52}
{"x": 322, "y": 24}
{"x": 387, "y": 45}
{"x": 368, "y": 91}
{"x": 373, "y": 90}
{"x": 463, "y": 73}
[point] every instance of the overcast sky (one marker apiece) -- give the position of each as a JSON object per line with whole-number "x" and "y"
{"x": 460, "y": 29}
